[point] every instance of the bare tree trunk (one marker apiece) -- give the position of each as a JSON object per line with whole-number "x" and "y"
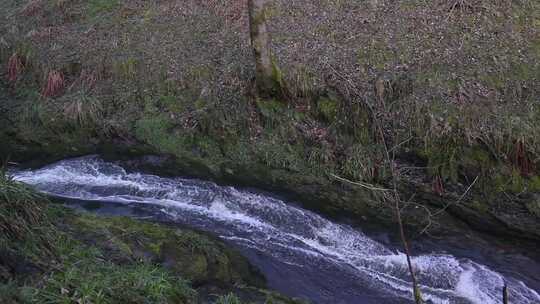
{"x": 265, "y": 73}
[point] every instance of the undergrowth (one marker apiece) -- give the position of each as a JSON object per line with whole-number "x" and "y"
{"x": 24, "y": 224}
{"x": 45, "y": 258}
{"x": 455, "y": 93}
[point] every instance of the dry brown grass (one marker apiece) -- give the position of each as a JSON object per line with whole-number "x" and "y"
{"x": 32, "y": 8}
{"x": 521, "y": 159}
{"x": 15, "y": 67}
{"x": 22, "y": 213}
{"x": 83, "y": 110}
{"x": 86, "y": 81}
{"x": 465, "y": 60}
{"x": 437, "y": 185}
{"x": 55, "y": 84}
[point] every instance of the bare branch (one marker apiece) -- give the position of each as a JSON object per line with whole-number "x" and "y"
{"x": 361, "y": 184}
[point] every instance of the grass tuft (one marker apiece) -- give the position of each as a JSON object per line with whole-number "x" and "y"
{"x": 32, "y": 8}
{"x": 15, "y": 67}
{"x": 228, "y": 299}
{"x": 22, "y": 209}
{"x": 521, "y": 160}
{"x": 55, "y": 85}
{"x": 83, "y": 110}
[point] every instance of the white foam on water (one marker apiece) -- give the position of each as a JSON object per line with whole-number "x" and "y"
{"x": 293, "y": 235}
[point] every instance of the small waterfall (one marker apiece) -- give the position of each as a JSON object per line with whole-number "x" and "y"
{"x": 336, "y": 262}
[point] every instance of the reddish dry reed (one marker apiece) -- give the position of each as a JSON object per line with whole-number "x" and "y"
{"x": 86, "y": 80}
{"x": 521, "y": 160}
{"x": 32, "y": 8}
{"x": 438, "y": 186}
{"x": 55, "y": 84}
{"x": 15, "y": 67}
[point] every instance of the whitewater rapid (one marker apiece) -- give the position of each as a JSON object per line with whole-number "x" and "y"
{"x": 288, "y": 234}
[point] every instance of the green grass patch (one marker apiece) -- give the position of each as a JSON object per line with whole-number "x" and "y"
{"x": 87, "y": 277}
{"x": 97, "y": 7}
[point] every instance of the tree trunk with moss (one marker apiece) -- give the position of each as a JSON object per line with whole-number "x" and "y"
{"x": 267, "y": 75}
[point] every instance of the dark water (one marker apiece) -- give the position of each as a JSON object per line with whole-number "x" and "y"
{"x": 301, "y": 253}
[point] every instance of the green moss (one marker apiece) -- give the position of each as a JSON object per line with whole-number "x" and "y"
{"x": 184, "y": 252}
{"x": 376, "y": 54}
{"x": 479, "y": 206}
{"x": 534, "y": 184}
{"x": 172, "y": 103}
{"x": 327, "y": 108}
{"x": 508, "y": 179}
{"x": 155, "y": 131}
{"x": 200, "y": 104}
{"x": 272, "y": 108}
{"x": 86, "y": 258}
{"x": 280, "y": 155}
{"x": 277, "y": 76}
{"x": 126, "y": 69}
{"x": 534, "y": 207}
{"x": 535, "y": 43}
{"x": 97, "y": 7}
{"x": 475, "y": 161}
{"x": 443, "y": 160}
{"x": 517, "y": 182}
{"x": 75, "y": 272}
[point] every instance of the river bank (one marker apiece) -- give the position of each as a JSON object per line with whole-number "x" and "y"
{"x": 440, "y": 97}
{"x": 52, "y": 254}
{"x": 174, "y": 79}
{"x": 300, "y": 253}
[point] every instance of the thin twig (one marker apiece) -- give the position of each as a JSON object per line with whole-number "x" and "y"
{"x": 400, "y": 144}
{"x": 361, "y": 184}
{"x": 460, "y": 198}
{"x": 416, "y": 291}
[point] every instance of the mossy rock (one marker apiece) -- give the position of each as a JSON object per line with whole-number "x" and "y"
{"x": 192, "y": 255}
{"x": 56, "y": 255}
{"x": 534, "y": 206}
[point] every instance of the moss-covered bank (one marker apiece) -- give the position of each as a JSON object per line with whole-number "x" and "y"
{"x": 455, "y": 88}
{"x": 50, "y": 254}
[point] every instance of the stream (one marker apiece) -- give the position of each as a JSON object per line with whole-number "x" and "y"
{"x": 301, "y": 253}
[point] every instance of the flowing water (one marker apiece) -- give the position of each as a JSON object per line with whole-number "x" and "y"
{"x": 301, "y": 253}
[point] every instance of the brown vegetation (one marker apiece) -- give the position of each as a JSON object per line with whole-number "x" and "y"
{"x": 456, "y": 85}
{"x": 15, "y": 67}
{"x": 54, "y": 85}
{"x": 32, "y": 8}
